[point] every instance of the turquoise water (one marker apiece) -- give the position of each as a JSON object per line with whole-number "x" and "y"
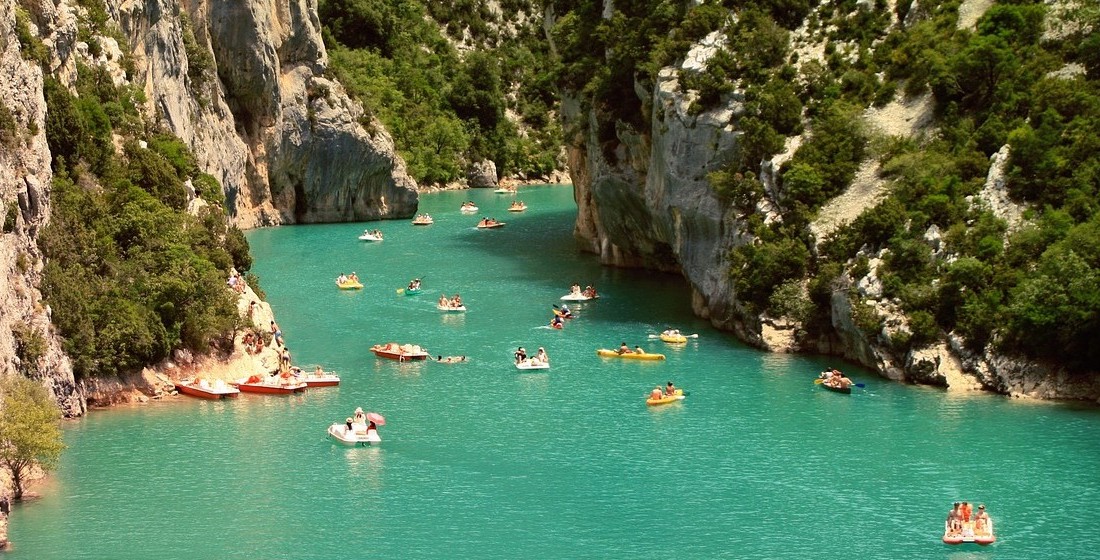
{"x": 480, "y": 460}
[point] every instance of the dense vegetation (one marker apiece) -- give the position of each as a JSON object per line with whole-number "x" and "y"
{"x": 130, "y": 275}
{"x": 446, "y": 109}
{"x": 1033, "y": 290}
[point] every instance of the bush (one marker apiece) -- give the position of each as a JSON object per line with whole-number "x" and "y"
{"x": 30, "y": 347}
{"x": 789, "y": 300}
{"x": 760, "y": 268}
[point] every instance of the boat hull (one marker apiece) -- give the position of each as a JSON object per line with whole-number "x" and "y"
{"x": 841, "y": 390}
{"x": 350, "y": 286}
{"x": 605, "y": 353}
{"x": 265, "y": 389}
{"x": 490, "y": 226}
{"x": 212, "y": 394}
{"x": 322, "y": 381}
{"x": 679, "y": 396}
{"x": 529, "y": 364}
{"x": 673, "y": 339}
{"x": 399, "y": 356}
{"x": 370, "y": 238}
{"x": 577, "y": 297}
{"x": 359, "y": 435}
{"x": 448, "y": 309}
{"x": 409, "y": 292}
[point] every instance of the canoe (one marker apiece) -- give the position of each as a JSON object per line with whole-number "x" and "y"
{"x": 370, "y": 237}
{"x": 203, "y": 389}
{"x": 679, "y": 396}
{"x": 358, "y": 435}
{"x": 605, "y": 353}
{"x": 844, "y": 390}
{"x": 532, "y": 364}
{"x": 394, "y": 352}
{"x": 577, "y": 297}
{"x": 350, "y": 285}
{"x": 449, "y": 309}
{"x": 673, "y": 338}
{"x": 490, "y": 226}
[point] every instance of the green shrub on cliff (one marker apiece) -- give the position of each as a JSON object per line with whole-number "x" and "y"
{"x": 130, "y": 276}
{"x": 444, "y": 109}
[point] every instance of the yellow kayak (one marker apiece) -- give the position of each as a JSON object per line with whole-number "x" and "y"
{"x": 679, "y": 396}
{"x": 603, "y": 352}
{"x": 674, "y": 338}
{"x": 350, "y": 285}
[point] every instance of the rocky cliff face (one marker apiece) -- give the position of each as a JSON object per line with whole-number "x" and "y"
{"x": 27, "y": 343}
{"x": 648, "y": 204}
{"x": 644, "y": 201}
{"x": 242, "y": 83}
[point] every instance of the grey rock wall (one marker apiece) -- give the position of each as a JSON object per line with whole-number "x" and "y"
{"x": 25, "y": 177}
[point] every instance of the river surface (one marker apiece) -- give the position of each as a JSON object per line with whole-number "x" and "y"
{"x": 479, "y": 460}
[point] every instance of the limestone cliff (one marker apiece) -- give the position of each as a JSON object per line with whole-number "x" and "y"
{"x": 644, "y": 201}
{"x": 27, "y": 343}
{"x": 242, "y": 83}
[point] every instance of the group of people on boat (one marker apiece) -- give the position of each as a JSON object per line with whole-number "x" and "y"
{"x": 453, "y": 303}
{"x": 539, "y": 358}
{"x": 414, "y": 285}
{"x": 359, "y": 418}
{"x": 624, "y": 349}
{"x": 834, "y": 379}
{"x": 347, "y": 278}
{"x": 488, "y": 222}
{"x": 517, "y": 205}
{"x": 422, "y": 219}
{"x": 468, "y": 205}
{"x": 962, "y": 522}
{"x": 376, "y": 233}
{"x": 669, "y": 391}
{"x": 588, "y": 292}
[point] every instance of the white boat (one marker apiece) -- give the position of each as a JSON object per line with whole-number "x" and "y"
{"x": 357, "y": 435}
{"x": 370, "y": 236}
{"x": 532, "y": 363}
{"x": 451, "y": 309}
{"x": 505, "y": 190}
{"x": 577, "y": 297}
{"x": 468, "y": 209}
